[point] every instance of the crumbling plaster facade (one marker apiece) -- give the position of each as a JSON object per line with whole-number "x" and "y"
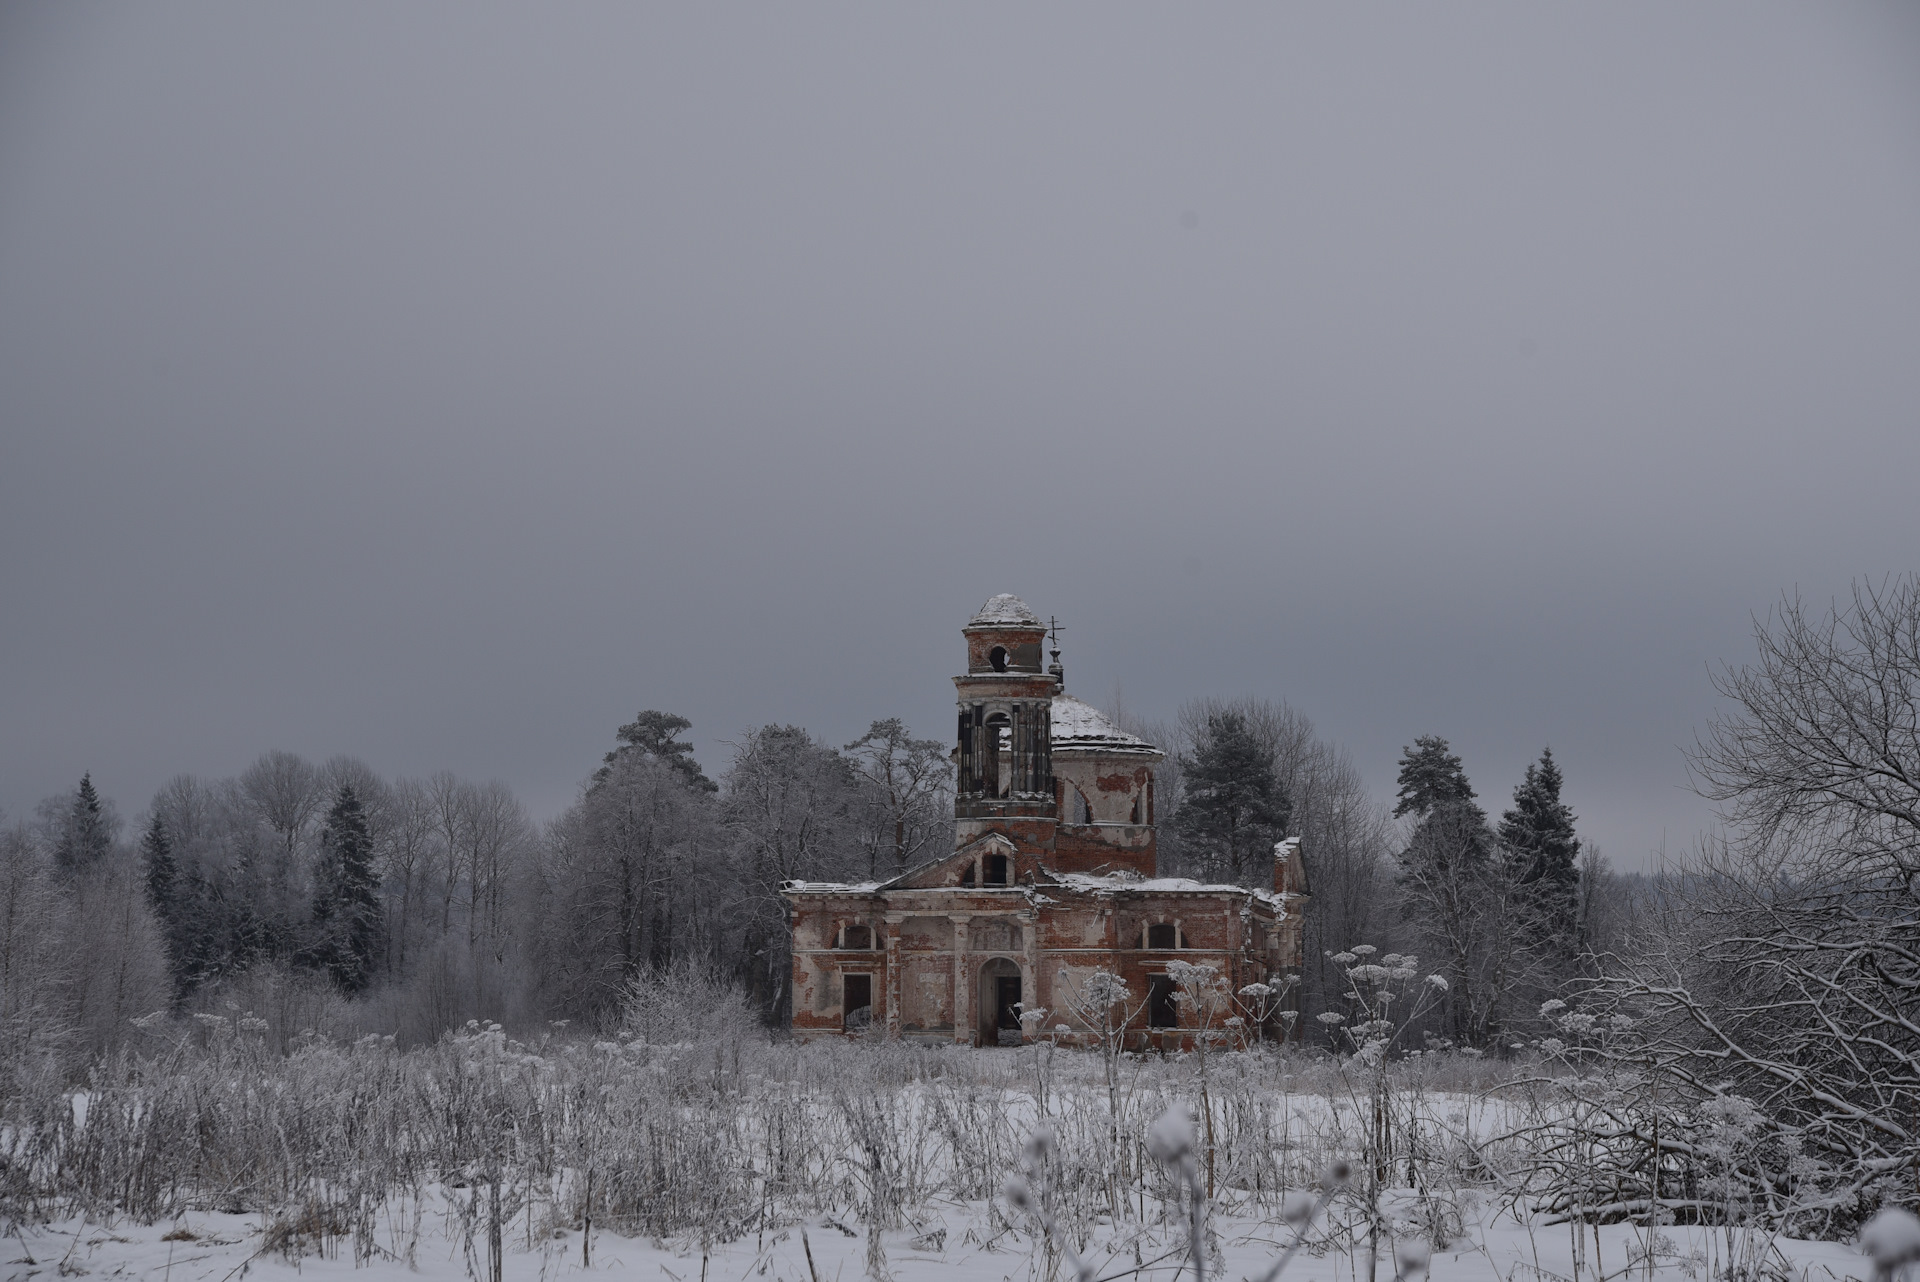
{"x": 1053, "y": 878}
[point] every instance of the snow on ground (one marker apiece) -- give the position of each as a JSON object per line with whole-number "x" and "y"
{"x": 803, "y": 1139}
{"x": 956, "y": 1242}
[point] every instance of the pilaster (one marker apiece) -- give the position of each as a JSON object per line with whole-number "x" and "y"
{"x": 895, "y": 985}
{"x": 1030, "y": 963}
{"x": 963, "y": 1029}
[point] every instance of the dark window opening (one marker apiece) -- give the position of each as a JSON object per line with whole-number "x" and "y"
{"x": 1161, "y": 1012}
{"x": 995, "y": 873}
{"x": 1006, "y": 993}
{"x": 857, "y": 937}
{"x": 1163, "y": 935}
{"x": 856, "y": 1001}
{"x": 1086, "y": 807}
{"x": 1136, "y": 816}
{"x": 966, "y": 876}
{"x": 997, "y": 658}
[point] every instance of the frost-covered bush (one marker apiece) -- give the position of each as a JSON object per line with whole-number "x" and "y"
{"x": 1617, "y": 1136}
{"x": 685, "y": 1002}
{"x": 706, "y": 1136}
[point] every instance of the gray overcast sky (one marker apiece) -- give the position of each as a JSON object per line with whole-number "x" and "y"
{"x": 443, "y": 383}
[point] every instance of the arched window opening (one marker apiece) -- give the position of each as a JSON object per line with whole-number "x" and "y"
{"x": 966, "y": 875}
{"x": 995, "y": 872}
{"x": 998, "y": 1002}
{"x": 1163, "y": 934}
{"x": 998, "y": 775}
{"x": 997, "y": 658}
{"x": 857, "y": 937}
{"x": 1138, "y": 815}
{"x": 1083, "y": 807}
{"x": 1161, "y": 1010}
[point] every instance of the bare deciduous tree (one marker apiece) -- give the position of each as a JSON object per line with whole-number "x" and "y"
{"x": 790, "y": 811}
{"x": 35, "y": 964}
{"x": 1345, "y": 832}
{"x": 1462, "y": 909}
{"x": 405, "y": 851}
{"x": 910, "y": 802}
{"x": 1784, "y": 965}
{"x": 1819, "y": 757}
{"x": 286, "y": 792}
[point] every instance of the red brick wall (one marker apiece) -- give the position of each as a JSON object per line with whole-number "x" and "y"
{"x": 1078, "y": 848}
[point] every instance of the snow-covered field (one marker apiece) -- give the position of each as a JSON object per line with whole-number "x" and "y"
{"x": 959, "y": 1241}
{"x": 209, "y": 1158}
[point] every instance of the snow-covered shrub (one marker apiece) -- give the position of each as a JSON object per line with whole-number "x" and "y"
{"x": 685, "y": 1002}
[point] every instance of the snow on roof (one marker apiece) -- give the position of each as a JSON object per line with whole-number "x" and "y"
{"x": 829, "y": 887}
{"x": 1128, "y": 881}
{"x": 1079, "y": 882}
{"x": 1081, "y": 725}
{"x": 1004, "y": 609}
{"x": 1090, "y": 883}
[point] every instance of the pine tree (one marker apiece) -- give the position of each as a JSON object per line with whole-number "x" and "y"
{"x": 1450, "y": 829}
{"x": 1450, "y": 883}
{"x": 657, "y": 734}
{"x": 172, "y": 902}
{"x": 156, "y": 854}
{"x": 1232, "y": 806}
{"x": 87, "y": 835}
{"x": 201, "y": 932}
{"x": 1542, "y": 850}
{"x": 346, "y": 907}
{"x": 1431, "y": 776}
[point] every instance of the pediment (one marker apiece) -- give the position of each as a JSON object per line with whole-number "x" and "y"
{"x": 942, "y": 873}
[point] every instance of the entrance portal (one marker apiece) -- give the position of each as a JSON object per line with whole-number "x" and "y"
{"x": 1000, "y": 998}
{"x": 856, "y": 1002}
{"x": 1162, "y": 1011}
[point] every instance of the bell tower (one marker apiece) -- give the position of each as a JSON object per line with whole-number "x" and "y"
{"x": 1006, "y": 732}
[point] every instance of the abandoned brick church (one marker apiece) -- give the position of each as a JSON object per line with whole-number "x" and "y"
{"x": 1053, "y": 877}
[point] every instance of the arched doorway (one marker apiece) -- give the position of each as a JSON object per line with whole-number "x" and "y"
{"x": 999, "y": 1002}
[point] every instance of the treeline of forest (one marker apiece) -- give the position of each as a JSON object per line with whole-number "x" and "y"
{"x": 1511, "y": 912}
{"x": 330, "y": 897}
{"x": 1755, "y": 1006}
{"x": 327, "y": 896}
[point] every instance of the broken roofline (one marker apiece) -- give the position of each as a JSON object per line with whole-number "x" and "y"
{"x": 861, "y": 890}
{"x": 1078, "y": 728}
{"x": 1100, "y": 885}
{"x": 1111, "y": 886}
{"x": 1105, "y": 748}
{"x": 1123, "y": 885}
{"x": 995, "y": 838}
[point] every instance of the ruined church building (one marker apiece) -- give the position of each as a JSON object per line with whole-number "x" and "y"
{"x": 1053, "y": 877}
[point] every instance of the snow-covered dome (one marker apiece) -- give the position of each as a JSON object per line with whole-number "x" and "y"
{"x": 1002, "y": 611}
{"x": 1082, "y": 727}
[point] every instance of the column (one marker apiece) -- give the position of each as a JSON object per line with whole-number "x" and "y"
{"x": 1017, "y": 745}
{"x": 1030, "y": 981}
{"x": 896, "y": 984}
{"x": 963, "y": 1030}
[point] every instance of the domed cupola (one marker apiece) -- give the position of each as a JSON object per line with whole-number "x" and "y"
{"x": 1105, "y": 778}
{"x": 1004, "y": 636}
